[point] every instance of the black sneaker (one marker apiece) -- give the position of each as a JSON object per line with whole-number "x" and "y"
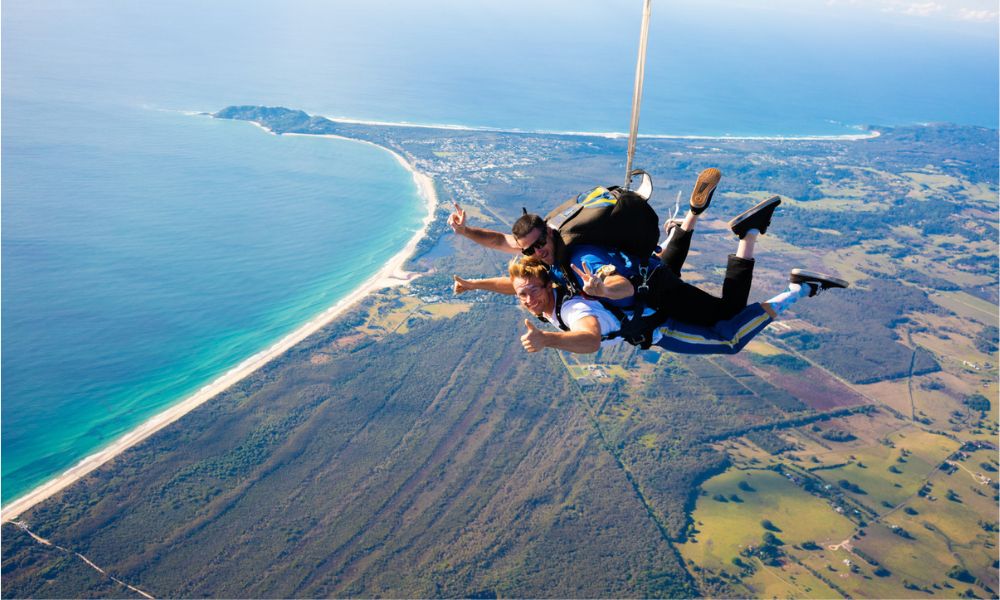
{"x": 817, "y": 282}
{"x": 704, "y": 188}
{"x": 758, "y": 217}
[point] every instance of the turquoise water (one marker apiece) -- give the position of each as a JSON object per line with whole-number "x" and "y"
{"x": 145, "y": 251}
{"x": 167, "y": 249}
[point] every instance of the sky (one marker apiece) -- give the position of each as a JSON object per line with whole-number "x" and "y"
{"x": 888, "y": 61}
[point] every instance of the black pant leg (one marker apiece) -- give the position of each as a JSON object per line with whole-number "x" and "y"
{"x": 677, "y": 249}
{"x": 736, "y": 286}
{"x": 677, "y": 299}
{"x": 680, "y": 300}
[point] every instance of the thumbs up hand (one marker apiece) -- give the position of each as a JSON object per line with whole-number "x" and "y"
{"x": 533, "y": 339}
{"x": 461, "y": 285}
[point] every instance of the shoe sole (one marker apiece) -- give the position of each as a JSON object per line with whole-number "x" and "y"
{"x": 704, "y": 188}
{"x": 825, "y": 281}
{"x": 743, "y": 216}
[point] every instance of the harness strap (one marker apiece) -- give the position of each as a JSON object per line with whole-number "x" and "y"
{"x": 561, "y": 294}
{"x": 569, "y": 287}
{"x": 636, "y": 329}
{"x": 620, "y": 315}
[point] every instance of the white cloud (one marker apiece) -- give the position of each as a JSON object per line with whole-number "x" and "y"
{"x": 968, "y": 14}
{"x": 961, "y": 10}
{"x": 923, "y": 9}
{"x": 913, "y": 9}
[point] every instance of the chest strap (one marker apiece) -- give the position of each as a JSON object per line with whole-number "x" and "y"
{"x": 562, "y": 293}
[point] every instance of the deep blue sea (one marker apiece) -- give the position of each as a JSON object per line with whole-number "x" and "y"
{"x": 146, "y": 250}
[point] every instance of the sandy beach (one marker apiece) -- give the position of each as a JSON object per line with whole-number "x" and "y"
{"x": 837, "y": 137}
{"x": 391, "y": 274}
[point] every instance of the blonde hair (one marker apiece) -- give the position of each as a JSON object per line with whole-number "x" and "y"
{"x": 529, "y": 267}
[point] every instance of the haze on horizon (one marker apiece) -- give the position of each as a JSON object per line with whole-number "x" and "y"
{"x": 714, "y": 67}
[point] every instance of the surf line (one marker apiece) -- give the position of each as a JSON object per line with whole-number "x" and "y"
{"x": 86, "y": 560}
{"x": 868, "y": 134}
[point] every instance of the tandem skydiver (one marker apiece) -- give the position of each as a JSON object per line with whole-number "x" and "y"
{"x": 685, "y": 318}
{"x": 585, "y": 325}
{"x": 608, "y": 274}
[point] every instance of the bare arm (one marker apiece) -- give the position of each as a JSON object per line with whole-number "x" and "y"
{"x": 613, "y": 286}
{"x": 500, "y": 285}
{"x": 488, "y": 238}
{"x": 617, "y": 287}
{"x": 584, "y": 337}
{"x": 495, "y": 240}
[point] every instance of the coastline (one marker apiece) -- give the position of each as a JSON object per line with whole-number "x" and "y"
{"x": 391, "y": 274}
{"x": 869, "y": 134}
{"x": 844, "y": 137}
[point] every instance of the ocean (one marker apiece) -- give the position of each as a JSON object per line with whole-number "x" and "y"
{"x": 147, "y": 249}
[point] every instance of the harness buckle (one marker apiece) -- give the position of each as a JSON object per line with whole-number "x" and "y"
{"x": 644, "y": 273}
{"x": 642, "y": 340}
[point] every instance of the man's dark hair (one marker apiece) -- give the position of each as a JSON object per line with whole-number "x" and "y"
{"x": 526, "y": 223}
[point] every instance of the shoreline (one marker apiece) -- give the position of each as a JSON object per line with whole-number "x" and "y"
{"x": 842, "y": 137}
{"x": 869, "y": 134}
{"x": 391, "y": 274}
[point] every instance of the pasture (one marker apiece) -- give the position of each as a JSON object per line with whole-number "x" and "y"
{"x": 726, "y": 528}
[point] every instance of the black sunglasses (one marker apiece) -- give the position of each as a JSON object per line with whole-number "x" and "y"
{"x": 542, "y": 239}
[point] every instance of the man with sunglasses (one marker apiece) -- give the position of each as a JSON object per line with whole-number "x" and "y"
{"x": 614, "y": 277}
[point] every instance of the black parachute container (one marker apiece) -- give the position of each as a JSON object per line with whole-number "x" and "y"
{"x": 608, "y": 217}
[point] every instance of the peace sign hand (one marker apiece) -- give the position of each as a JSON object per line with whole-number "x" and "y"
{"x": 592, "y": 284}
{"x": 456, "y": 220}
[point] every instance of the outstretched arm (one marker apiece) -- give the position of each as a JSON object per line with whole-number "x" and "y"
{"x": 500, "y": 285}
{"x": 583, "y": 338}
{"x": 495, "y": 240}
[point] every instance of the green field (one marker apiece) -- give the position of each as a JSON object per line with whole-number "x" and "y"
{"x": 790, "y": 581}
{"x": 941, "y": 527}
{"x": 726, "y": 528}
{"x": 922, "y": 562}
{"x": 969, "y": 306}
{"x": 870, "y": 468}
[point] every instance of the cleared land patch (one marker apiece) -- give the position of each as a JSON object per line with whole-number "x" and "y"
{"x": 762, "y": 348}
{"x": 887, "y": 473}
{"x": 969, "y": 306}
{"x": 811, "y": 385}
{"x": 726, "y": 528}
